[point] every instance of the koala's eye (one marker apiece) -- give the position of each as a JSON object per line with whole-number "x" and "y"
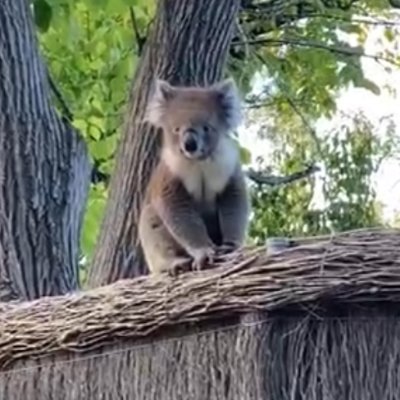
{"x": 206, "y": 128}
{"x": 176, "y": 130}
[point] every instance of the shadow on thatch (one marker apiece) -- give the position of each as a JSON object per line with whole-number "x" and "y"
{"x": 314, "y": 322}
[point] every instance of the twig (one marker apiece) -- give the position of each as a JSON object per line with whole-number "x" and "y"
{"x": 251, "y": 106}
{"x": 139, "y": 39}
{"x": 242, "y": 35}
{"x": 65, "y": 109}
{"x": 292, "y": 104}
{"x": 273, "y": 180}
{"x": 295, "y": 10}
{"x": 348, "y": 51}
{"x": 358, "y": 20}
{"x": 271, "y": 6}
{"x": 305, "y": 123}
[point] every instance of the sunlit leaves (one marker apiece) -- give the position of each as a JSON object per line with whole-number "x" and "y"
{"x": 351, "y": 158}
{"x": 344, "y": 197}
{"x": 308, "y": 62}
{"x": 389, "y": 34}
{"x": 93, "y": 216}
{"x": 306, "y": 57}
{"x": 104, "y": 149}
{"x": 90, "y": 50}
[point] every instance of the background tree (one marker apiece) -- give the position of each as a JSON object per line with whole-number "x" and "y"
{"x": 44, "y": 171}
{"x": 350, "y": 155}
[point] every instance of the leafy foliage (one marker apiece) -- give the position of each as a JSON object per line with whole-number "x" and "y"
{"x": 346, "y": 199}
{"x": 302, "y": 67}
{"x": 91, "y": 53}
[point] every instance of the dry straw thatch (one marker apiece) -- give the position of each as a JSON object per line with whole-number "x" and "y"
{"x": 313, "y": 322}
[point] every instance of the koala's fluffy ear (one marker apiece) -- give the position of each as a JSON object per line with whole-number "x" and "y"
{"x": 161, "y": 93}
{"x": 230, "y": 103}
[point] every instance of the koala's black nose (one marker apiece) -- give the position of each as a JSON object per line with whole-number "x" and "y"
{"x": 190, "y": 144}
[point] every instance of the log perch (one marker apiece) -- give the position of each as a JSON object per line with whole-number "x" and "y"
{"x": 238, "y": 308}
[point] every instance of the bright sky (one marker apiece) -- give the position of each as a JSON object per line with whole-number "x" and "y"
{"x": 387, "y": 180}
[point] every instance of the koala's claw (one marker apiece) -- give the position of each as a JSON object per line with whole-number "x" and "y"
{"x": 202, "y": 258}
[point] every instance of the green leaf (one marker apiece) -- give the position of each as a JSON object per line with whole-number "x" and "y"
{"x": 98, "y": 3}
{"x": 371, "y": 86}
{"x": 93, "y": 216}
{"x": 351, "y": 29}
{"x": 389, "y": 34}
{"x": 103, "y": 149}
{"x": 245, "y": 155}
{"x": 130, "y": 2}
{"x": 42, "y": 14}
{"x": 96, "y": 112}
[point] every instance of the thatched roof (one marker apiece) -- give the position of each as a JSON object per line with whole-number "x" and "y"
{"x": 320, "y": 275}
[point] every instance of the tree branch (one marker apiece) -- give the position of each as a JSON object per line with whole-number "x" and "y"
{"x": 273, "y": 180}
{"x": 66, "y": 112}
{"x": 252, "y": 106}
{"x": 285, "y": 12}
{"x": 279, "y": 4}
{"x": 297, "y": 110}
{"x": 348, "y": 51}
{"x": 356, "y": 21}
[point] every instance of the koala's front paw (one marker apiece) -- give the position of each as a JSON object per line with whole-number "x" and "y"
{"x": 201, "y": 257}
{"x": 179, "y": 266}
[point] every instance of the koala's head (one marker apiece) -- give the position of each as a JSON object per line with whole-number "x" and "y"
{"x": 194, "y": 119}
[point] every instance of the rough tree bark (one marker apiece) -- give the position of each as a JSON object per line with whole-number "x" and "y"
{"x": 188, "y": 44}
{"x": 44, "y": 171}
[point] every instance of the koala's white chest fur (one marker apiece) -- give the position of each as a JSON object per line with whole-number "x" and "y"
{"x": 204, "y": 180}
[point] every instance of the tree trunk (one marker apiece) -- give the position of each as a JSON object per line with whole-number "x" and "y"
{"x": 188, "y": 44}
{"x": 44, "y": 171}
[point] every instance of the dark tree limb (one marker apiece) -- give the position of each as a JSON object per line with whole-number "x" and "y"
{"x": 273, "y": 180}
{"x": 356, "y": 20}
{"x": 269, "y": 5}
{"x": 260, "y": 18}
{"x": 347, "y": 51}
{"x": 281, "y": 13}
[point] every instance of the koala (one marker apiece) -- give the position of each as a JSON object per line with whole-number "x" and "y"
{"x": 197, "y": 200}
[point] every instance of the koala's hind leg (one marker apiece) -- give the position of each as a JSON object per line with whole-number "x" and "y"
{"x": 161, "y": 251}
